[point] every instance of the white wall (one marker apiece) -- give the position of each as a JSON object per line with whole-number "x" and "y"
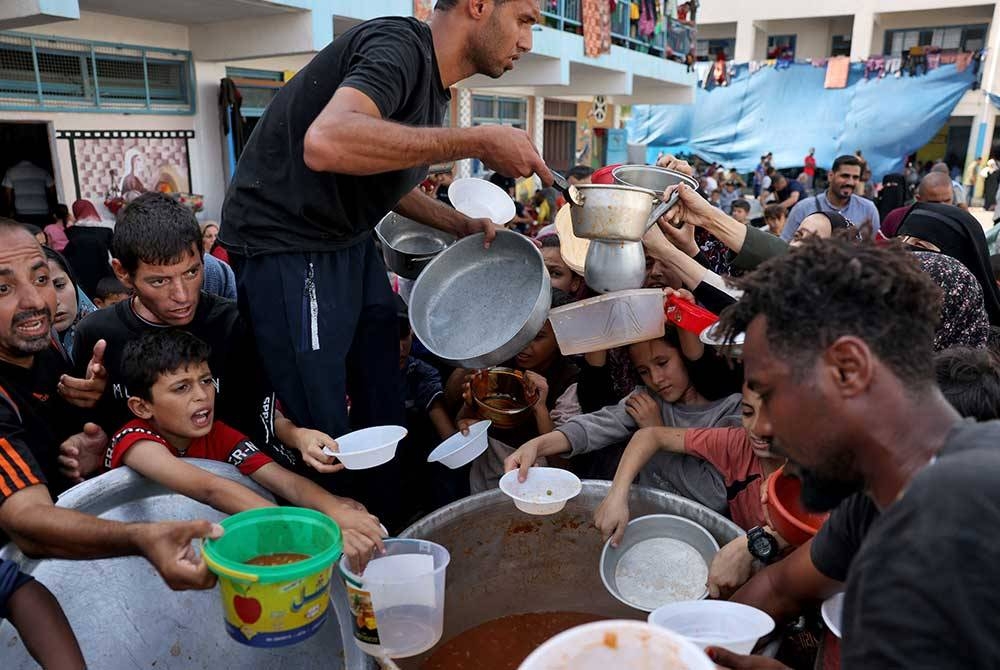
{"x": 110, "y": 28}
{"x": 927, "y": 19}
{"x": 717, "y": 31}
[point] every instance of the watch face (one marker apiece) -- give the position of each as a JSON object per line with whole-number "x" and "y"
{"x": 761, "y": 546}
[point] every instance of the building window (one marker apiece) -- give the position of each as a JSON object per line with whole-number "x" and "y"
{"x": 500, "y": 111}
{"x": 841, "y": 45}
{"x": 781, "y": 46}
{"x": 42, "y": 73}
{"x": 947, "y": 38}
{"x": 257, "y": 87}
{"x": 709, "y": 49}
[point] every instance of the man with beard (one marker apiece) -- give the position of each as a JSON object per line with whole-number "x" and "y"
{"x": 348, "y": 139}
{"x": 839, "y": 197}
{"x": 35, "y": 416}
{"x": 839, "y": 346}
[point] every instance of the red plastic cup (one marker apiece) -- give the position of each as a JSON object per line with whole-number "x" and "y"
{"x": 690, "y": 317}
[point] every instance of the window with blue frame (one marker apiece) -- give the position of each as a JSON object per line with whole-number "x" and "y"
{"x": 43, "y": 73}
{"x": 497, "y": 110}
{"x": 257, "y": 87}
{"x": 946, "y": 38}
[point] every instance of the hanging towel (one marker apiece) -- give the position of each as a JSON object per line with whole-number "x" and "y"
{"x": 836, "y": 72}
{"x": 933, "y": 61}
{"x": 753, "y": 66}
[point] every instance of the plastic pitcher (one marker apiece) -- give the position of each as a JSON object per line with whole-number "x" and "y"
{"x": 398, "y": 603}
{"x": 273, "y": 606}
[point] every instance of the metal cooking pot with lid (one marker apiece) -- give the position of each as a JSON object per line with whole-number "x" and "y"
{"x": 476, "y": 307}
{"x": 408, "y": 246}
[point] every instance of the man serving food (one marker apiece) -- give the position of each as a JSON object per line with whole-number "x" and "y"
{"x": 348, "y": 139}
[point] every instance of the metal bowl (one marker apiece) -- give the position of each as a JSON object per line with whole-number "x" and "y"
{"x": 408, "y": 246}
{"x": 474, "y": 307}
{"x": 614, "y": 266}
{"x": 651, "y": 177}
{"x": 613, "y": 212}
{"x": 650, "y": 527}
{"x": 502, "y": 397}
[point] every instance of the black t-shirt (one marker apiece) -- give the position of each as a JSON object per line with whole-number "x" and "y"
{"x": 34, "y": 421}
{"x": 921, "y": 586}
{"x": 791, "y": 186}
{"x": 243, "y": 401}
{"x": 276, "y": 203}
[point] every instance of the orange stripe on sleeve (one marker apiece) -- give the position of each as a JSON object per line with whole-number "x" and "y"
{"x": 12, "y": 454}
{"x": 4, "y": 489}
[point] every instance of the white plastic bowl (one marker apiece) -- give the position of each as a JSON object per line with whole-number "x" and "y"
{"x": 610, "y": 645}
{"x": 480, "y": 199}
{"x": 833, "y": 613}
{"x": 459, "y": 450}
{"x": 608, "y": 321}
{"x": 367, "y": 448}
{"x": 715, "y": 623}
{"x": 545, "y": 491}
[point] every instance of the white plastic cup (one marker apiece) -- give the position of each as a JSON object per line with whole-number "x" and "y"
{"x": 400, "y": 597}
{"x": 715, "y": 623}
{"x": 459, "y": 450}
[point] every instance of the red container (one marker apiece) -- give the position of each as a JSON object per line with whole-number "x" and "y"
{"x": 784, "y": 505}
{"x": 603, "y": 175}
{"x": 688, "y": 316}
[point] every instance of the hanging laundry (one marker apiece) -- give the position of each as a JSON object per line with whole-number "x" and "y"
{"x": 701, "y": 69}
{"x": 875, "y": 67}
{"x": 719, "y": 72}
{"x": 753, "y": 66}
{"x": 647, "y": 21}
{"x": 963, "y": 60}
{"x": 837, "y": 70}
{"x": 596, "y": 27}
{"x": 933, "y": 61}
{"x": 893, "y": 66}
{"x": 948, "y": 59}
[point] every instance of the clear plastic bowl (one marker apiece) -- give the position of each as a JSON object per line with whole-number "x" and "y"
{"x": 459, "y": 450}
{"x": 545, "y": 491}
{"x": 608, "y": 321}
{"x": 610, "y": 645}
{"x": 715, "y": 623}
{"x": 367, "y": 448}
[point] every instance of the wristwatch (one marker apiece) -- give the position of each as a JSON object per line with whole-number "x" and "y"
{"x": 762, "y": 545}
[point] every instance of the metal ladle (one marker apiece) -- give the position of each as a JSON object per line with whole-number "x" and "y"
{"x": 568, "y": 190}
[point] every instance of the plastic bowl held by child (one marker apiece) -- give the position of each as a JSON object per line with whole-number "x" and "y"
{"x": 459, "y": 450}
{"x": 545, "y": 491}
{"x": 790, "y": 518}
{"x": 367, "y": 448}
{"x": 274, "y": 605}
{"x": 715, "y": 623}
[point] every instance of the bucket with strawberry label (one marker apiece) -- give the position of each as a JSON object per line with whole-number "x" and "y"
{"x": 274, "y": 566}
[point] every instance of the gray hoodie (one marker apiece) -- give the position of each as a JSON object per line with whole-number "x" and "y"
{"x": 684, "y": 475}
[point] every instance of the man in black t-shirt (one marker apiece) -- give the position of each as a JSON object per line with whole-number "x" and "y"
{"x": 35, "y": 417}
{"x": 848, "y": 394}
{"x": 348, "y": 139}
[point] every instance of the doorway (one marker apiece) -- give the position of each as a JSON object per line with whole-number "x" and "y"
{"x": 28, "y": 192}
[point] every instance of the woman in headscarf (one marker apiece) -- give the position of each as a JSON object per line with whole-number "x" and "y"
{"x": 72, "y": 304}
{"x": 951, "y": 231}
{"x": 963, "y": 313}
{"x": 894, "y": 194}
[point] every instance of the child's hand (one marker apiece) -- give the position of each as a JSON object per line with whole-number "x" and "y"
{"x": 611, "y": 517}
{"x": 362, "y": 535}
{"x": 643, "y": 410}
{"x": 522, "y": 459}
{"x": 467, "y": 389}
{"x": 310, "y": 444}
{"x": 535, "y": 382}
{"x": 681, "y": 293}
{"x": 731, "y": 568}
{"x": 80, "y": 455}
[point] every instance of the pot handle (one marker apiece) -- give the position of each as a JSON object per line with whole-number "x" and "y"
{"x": 661, "y": 209}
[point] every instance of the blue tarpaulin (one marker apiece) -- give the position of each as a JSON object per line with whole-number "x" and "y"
{"x": 787, "y": 111}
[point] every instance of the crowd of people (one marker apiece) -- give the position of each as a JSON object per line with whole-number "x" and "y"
{"x": 870, "y": 365}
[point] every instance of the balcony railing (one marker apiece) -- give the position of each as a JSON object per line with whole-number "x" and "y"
{"x": 674, "y": 38}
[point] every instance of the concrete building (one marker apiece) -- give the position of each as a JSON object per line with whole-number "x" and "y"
{"x": 97, "y": 91}
{"x": 861, "y": 28}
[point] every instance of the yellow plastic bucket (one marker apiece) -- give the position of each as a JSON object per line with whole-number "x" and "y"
{"x": 274, "y": 606}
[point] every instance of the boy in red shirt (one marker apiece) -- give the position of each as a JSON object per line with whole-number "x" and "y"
{"x": 172, "y": 392}
{"x": 745, "y": 462}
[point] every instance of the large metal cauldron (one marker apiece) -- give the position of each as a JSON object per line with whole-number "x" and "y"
{"x": 506, "y": 562}
{"x": 124, "y": 615}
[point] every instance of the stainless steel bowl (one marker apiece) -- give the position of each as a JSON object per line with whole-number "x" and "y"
{"x": 614, "y": 266}
{"x": 476, "y": 307}
{"x": 651, "y": 527}
{"x": 651, "y": 177}
{"x": 408, "y": 246}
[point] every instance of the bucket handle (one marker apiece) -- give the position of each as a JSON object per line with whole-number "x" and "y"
{"x": 233, "y": 574}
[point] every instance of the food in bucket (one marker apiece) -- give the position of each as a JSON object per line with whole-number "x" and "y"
{"x": 659, "y": 571}
{"x": 278, "y": 559}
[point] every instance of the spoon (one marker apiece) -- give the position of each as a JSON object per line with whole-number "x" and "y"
{"x": 568, "y": 190}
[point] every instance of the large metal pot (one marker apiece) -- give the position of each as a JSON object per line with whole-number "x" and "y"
{"x": 613, "y": 212}
{"x": 614, "y": 266}
{"x": 476, "y": 308}
{"x": 124, "y": 616}
{"x": 408, "y": 246}
{"x": 505, "y": 562}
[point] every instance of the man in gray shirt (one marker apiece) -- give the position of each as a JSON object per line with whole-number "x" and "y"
{"x": 838, "y": 197}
